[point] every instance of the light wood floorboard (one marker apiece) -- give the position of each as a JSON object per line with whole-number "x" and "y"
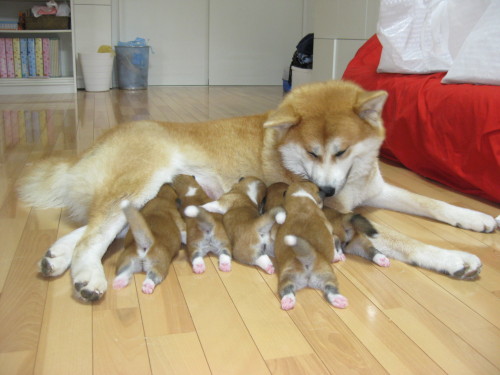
{"x": 401, "y": 319}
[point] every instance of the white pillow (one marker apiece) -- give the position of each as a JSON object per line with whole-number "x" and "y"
{"x": 414, "y": 36}
{"x": 424, "y": 36}
{"x": 478, "y": 60}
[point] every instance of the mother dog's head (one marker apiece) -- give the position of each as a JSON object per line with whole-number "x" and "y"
{"x": 329, "y": 132}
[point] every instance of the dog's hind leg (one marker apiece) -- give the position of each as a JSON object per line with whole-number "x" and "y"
{"x": 397, "y": 199}
{"x": 57, "y": 259}
{"x": 86, "y": 268}
{"x": 455, "y": 263}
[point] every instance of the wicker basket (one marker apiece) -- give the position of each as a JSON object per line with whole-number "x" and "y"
{"x": 47, "y": 23}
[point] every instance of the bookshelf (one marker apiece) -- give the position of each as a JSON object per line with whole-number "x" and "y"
{"x": 66, "y": 83}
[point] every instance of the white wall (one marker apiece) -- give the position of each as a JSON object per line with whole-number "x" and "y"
{"x": 217, "y": 42}
{"x": 252, "y": 41}
{"x": 177, "y": 31}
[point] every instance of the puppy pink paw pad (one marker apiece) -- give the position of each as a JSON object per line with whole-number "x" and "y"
{"x": 269, "y": 269}
{"x": 225, "y": 267}
{"x": 287, "y": 303}
{"x": 120, "y": 283}
{"x": 148, "y": 286}
{"x": 339, "y": 257}
{"x": 338, "y": 300}
{"x": 198, "y": 266}
{"x": 381, "y": 260}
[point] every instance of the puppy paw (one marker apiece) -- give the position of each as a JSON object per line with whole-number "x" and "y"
{"x": 89, "y": 282}
{"x": 225, "y": 263}
{"x": 288, "y": 302}
{"x": 339, "y": 256}
{"x": 381, "y": 260}
{"x": 265, "y": 263}
{"x": 148, "y": 286}
{"x": 198, "y": 265}
{"x": 120, "y": 282}
{"x": 338, "y": 300}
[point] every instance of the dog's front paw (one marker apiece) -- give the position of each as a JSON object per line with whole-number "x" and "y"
{"x": 462, "y": 265}
{"x": 476, "y": 221}
{"x": 89, "y": 283}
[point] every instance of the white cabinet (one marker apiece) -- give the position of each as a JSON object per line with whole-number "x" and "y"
{"x": 66, "y": 83}
{"x": 340, "y": 28}
{"x": 92, "y": 29}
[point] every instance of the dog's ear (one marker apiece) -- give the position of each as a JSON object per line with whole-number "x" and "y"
{"x": 283, "y": 118}
{"x": 215, "y": 207}
{"x": 369, "y": 106}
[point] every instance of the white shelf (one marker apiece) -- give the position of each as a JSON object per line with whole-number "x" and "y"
{"x": 46, "y": 85}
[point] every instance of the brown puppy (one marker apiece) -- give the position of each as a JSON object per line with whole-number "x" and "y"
{"x": 352, "y": 230}
{"x": 248, "y": 231}
{"x": 304, "y": 247}
{"x": 153, "y": 240}
{"x": 204, "y": 230}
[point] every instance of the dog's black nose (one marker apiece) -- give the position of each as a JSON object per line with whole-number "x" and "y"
{"x": 327, "y": 191}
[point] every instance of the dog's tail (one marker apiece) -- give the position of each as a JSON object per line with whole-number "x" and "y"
{"x": 266, "y": 221}
{"x": 140, "y": 230}
{"x": 303, "y": 249}
{"x": 204, "y": 218}
{"x": 362, "y": 225}
{"x": 46, "y": 184}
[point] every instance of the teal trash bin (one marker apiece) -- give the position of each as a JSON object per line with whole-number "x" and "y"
{"x": 132, "y": 65}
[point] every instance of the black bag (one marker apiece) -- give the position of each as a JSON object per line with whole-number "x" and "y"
{"x": 303, "y": 55}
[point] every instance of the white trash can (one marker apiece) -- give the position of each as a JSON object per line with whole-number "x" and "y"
{"x": 97, "y": 70}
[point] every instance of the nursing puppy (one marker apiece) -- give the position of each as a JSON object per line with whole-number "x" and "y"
{"x": 248, "y": 231}
{"x": 153, "y": 240}
{"x": 304, "y": 248}
{"x": 329, "y": 133}
{"x": 354, "y": 232}
{"x": 204, "y": 230}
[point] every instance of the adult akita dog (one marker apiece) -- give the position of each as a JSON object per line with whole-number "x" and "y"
{"x": 329, "y": 133}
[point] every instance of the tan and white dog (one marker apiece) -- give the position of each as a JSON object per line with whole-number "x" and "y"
{"x": 153, "y": 240}
{"x": 248, "y": 231}
{"x": 205, "y": 231}
{"x": 305, "y": 247}
{"x": 327, "y": 132}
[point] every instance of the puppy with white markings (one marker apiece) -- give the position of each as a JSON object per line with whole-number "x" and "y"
{"x": 248, "y": 231}
{"x": 354, "y": 232}
{"x": 304, "y": 248}
{"x": 153, "y": 240}
{"x": 205, "y": 230}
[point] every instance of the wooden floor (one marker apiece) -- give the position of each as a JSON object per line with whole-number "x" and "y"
{"x": 401, "y": 320}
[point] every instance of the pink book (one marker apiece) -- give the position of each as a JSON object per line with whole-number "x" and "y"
{"x": 9, "y": 53}
{"x": 3, "y": 59}
{"x": 46, "y": 57}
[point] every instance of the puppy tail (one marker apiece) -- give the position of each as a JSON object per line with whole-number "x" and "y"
{"x": 140, "y": 230}
{"x": 266, "y": 221}
{"x": 46, "y": 184}
{"x": 362, "y": 225}
{"x": 302, "y": 248}
{"x": 204, "y": 218}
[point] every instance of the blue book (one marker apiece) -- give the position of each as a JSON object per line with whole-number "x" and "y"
{"x": 31, "y": 58}
{"x": 24, "y": 57}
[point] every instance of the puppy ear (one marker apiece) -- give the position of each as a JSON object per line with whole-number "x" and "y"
{"x": 282, "y": 118}
{"x": 370, "y": 105}
{"x": 215, "y": 207}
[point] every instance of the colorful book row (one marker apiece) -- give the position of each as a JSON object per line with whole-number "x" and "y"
{"x": 29, "y": 127}
{"x": 29, "y": 57}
